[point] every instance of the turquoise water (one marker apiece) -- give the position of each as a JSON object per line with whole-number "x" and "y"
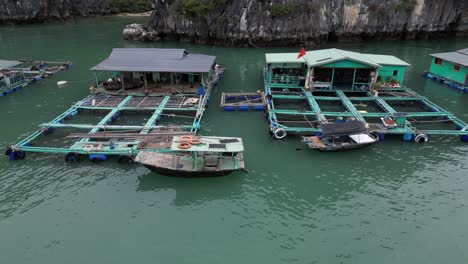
{"x": 395, "y": 202}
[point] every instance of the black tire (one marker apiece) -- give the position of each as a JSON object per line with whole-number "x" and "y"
{"x": 20, "y": 155}
{"x": 125, "y": 159}
{"x": 72, "y": 157}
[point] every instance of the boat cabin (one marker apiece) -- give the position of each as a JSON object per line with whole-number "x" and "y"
{"x": 451, "y": 66}
{"x": 341, "y": 136}
{"x": 11, "y": 77}
{"x": 333, "y": 69}
{"x": 199, "y": 156}
{"x": 155, "y": 71}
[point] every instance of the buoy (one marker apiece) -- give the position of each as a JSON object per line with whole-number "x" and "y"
{"x": 93, "y": 102}
{"x": 184, "y": 145}
{"x": 72, "y": 157}
{"x": 259, "y": 108}
{"x": 381, "y": 137}
{"x": 20, "y": 155}
{"x": 229, "y": 108}
{"x": 421, "y": 138}
{"x": 279, "y": 133}
{"x": 61, "y": 83}
{"x": 97, "y": 157}
{"x": 407, "y": 137}
{"x": 464, "y": 138}
{"x": 186, "y": 138}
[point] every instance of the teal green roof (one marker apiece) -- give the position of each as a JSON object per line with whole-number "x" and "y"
{"x": 283, "y": 58}
{"x": 326, "y": 56}
{"x": 387, "y": 60}
{"x": 232, "y": 147}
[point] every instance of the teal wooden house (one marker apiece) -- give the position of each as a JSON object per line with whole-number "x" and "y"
{"x": 331, "y": 69}
{"x": 450, "y": 68}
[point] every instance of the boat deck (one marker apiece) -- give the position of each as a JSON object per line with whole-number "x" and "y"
{"x": 186, "y": 162}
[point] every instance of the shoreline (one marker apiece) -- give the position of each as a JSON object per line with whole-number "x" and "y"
{"x": 142, "y": 14}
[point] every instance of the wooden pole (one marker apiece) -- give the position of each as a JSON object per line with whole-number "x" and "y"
{"x": 332, "y": 78}
{"x": 96, "y": 79}
{"x": 122, "y": 80}
{"x": 354, "y": 79}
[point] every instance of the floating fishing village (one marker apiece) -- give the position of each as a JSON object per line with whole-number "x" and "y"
{"x": 15, "y": 75}
{"x": 148, "y": 105}
{"x": 220, "y": 131}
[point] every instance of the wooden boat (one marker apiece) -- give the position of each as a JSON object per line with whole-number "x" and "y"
{"x": 341, "y": 137}
{"x": 191, "y": 156}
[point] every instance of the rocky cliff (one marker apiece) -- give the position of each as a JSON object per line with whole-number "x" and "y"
{"x": 17, "y": 11}
{"x": 299, "y": 22}
{"x": 40, "y": 10}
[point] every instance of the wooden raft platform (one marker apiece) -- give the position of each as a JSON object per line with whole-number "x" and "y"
{"x": 243, "y": 101}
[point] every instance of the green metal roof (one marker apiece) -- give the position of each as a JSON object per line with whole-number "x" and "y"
{"x": 387, "y": 60}
{"x": 326, "y": 56}
{"x": 233, "y": 147}
{"x": 6, "y": 64}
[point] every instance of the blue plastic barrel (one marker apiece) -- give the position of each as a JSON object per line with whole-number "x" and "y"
{"x": 243, "y": 108}
{"x": 229, "y": 108}
{"x": 258, "y": 108}
{"x": 408, "y": 137}
{"x": 381, "y": 136}
{"x": 97, "y": 157}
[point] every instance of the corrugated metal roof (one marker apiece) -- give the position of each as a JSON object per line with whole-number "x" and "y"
{"x": 325, "y": 56}
{"x": 155, "y": 60}
{"x": 387, "y": 60}
{"x": 6, "y": 64}
{"x": 454, "y": 57}
{"x": 321, "y": 57}
{"x": 464, "y": 51}
{"x": 283, "y": 58}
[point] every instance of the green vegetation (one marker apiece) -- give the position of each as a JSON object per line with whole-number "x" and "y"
{"x": 377, "y": 10}
{"x": 392, "y": 79}
{"x": 130, "y": 6}
{"x": 281, "y": 10}
{"x": 197, "y": 8}
{"x": 405, "y": 5}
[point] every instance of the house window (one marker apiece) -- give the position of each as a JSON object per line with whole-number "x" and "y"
{"x": 456, "y": 67}
{"x": 395, "y": 73}
{"x": 438, "y": 61}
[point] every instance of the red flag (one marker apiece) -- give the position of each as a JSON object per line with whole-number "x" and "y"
{"x": 301, "y": 54}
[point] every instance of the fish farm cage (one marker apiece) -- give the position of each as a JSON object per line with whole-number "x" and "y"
{"x": 397, "y": 111}
{"x": 15, "y": 75}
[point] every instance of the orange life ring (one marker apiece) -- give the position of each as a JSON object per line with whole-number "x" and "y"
{"x": 186, "y": 138}
{"x": 184, "y": 145}
{"x": 195, "y": 141}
